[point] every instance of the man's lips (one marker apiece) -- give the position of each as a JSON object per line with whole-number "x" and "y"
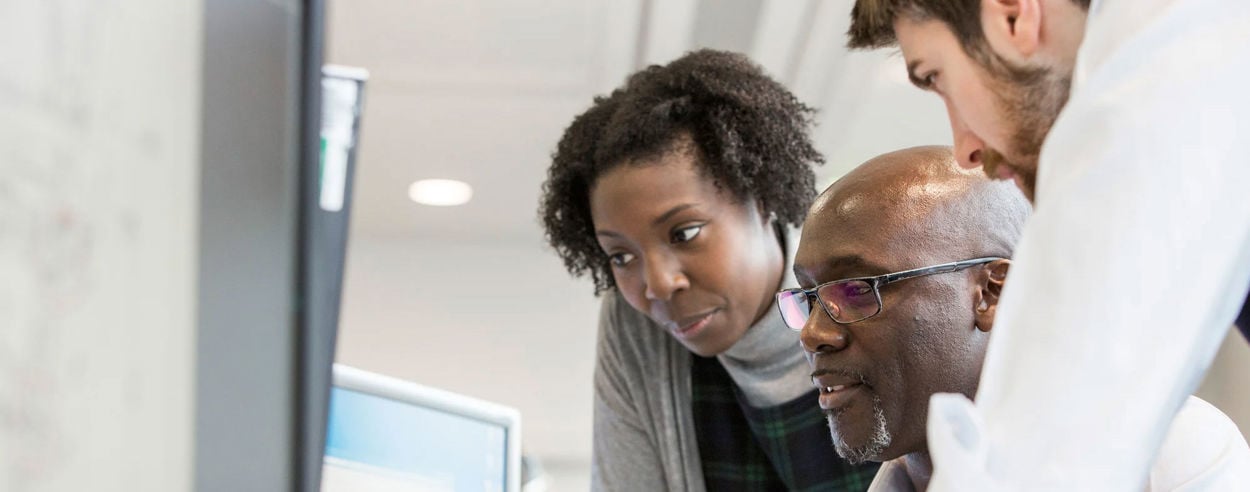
{"x": 997, "y": 169}
{"x": 1005, "y": 173}
{"x": 836, "y": 387}
{"x": 829, "y": 381}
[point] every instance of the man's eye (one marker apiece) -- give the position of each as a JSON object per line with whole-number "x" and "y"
{"x": 854, "y": 289}
{"x": 620, "y": 259}
{"x": 686, "y": 234}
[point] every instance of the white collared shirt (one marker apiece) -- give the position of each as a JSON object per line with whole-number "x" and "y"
{"x": 1203, "y": 450}
{"x": 892, "y": 477}
{"x": 1132, "y": 267}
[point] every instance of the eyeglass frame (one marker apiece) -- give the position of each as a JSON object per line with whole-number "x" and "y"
{"x": 877, "y": 282}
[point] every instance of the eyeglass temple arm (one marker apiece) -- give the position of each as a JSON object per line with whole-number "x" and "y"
{"x": 933, "y": 270}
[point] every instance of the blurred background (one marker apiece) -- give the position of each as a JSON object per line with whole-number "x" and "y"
{"x": 162, "y": 319}
{"x": 469, "y": 298}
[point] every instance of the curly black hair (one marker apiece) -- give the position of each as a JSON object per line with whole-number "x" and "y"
{"x": 750, "y": 135}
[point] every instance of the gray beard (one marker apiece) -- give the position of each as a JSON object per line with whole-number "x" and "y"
{"x": 871, "y": 450}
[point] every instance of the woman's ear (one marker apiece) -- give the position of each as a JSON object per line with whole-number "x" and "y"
{"x": 990, "y": 281}
{"x": 1013, "y": 28}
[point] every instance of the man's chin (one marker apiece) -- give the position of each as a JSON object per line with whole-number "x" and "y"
{"x": 1025, "y": 180}
{"x": 860, "y": 443}
{"x": 854, "y": 455}
{"x": 1026, "y": 183}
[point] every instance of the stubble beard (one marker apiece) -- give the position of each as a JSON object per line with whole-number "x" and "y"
{"x": 869, "y": 451}
{"x": 1030, "y": 100}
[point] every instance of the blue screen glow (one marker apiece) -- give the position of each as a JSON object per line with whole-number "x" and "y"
{"x": 430, "y": 446}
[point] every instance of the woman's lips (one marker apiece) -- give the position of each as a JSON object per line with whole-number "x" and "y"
{"x": 692, "y": 326}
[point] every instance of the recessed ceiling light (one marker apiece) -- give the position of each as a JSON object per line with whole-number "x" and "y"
{"x": 440, "y": 192}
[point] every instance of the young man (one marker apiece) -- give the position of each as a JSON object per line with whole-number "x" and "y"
{"x": 1127, "y": 121}
{"x": 901, "y": 265}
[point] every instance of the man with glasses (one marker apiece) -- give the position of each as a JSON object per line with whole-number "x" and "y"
{"x": 901, "y": 264}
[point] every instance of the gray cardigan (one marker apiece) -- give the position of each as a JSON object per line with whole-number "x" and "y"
{"x": 644, "y": 436}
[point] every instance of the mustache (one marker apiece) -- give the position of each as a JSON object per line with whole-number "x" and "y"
{"x": 846, "y": 373}
{"x": 991, "y": 160}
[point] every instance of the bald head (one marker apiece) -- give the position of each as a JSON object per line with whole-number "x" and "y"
{"x": 926, "y": 334}
{"x": 919, "y": 201}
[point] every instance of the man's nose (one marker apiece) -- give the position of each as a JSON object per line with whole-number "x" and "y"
{"x": 664, "y": 277}
{"x": 821, "y": 335}
{"x": 968, "y": 145}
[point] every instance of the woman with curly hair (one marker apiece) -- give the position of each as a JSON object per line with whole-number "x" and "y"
{"x": 676, "y": 194}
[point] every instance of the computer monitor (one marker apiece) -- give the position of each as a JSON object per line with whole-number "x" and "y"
{"x": 385, "y": 434}
{"x": 324, "y": 226}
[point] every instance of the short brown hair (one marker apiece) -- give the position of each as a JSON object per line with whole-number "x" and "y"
{"x": 872, "y": 21}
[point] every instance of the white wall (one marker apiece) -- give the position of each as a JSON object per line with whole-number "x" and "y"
{"x": 99, "y": 153}
{"x": 497, "y": 321}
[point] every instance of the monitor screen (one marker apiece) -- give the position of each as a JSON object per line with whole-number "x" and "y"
{"x": 393, "y": 438}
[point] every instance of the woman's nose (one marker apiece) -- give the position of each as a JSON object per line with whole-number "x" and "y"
{"x": 665, "y": 277}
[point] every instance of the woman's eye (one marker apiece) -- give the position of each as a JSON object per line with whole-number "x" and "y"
{"x": 929, "y": 80}
{"x": 686, "y": 234}
{"x": 620, "y": 259}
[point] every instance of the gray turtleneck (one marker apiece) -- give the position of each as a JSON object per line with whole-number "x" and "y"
{"x": 767, "y": 364}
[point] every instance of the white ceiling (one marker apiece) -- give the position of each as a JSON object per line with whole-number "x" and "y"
{"x": 481, "y": 91}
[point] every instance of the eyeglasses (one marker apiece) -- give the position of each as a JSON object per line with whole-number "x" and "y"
{"x": 854, "y": 299}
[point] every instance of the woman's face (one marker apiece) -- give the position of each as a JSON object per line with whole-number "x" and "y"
{"x": 686, "y": 254}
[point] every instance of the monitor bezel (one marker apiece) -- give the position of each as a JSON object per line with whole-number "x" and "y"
{"x": 351, "y": 378}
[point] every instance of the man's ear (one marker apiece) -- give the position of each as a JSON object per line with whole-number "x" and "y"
{"x": 1013, "y": 28}
{"x": 990, "y": 281}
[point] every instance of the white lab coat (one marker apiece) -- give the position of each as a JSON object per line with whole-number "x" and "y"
{"x": 1132, "y": 267}
{"x": 1202, "y": 444}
